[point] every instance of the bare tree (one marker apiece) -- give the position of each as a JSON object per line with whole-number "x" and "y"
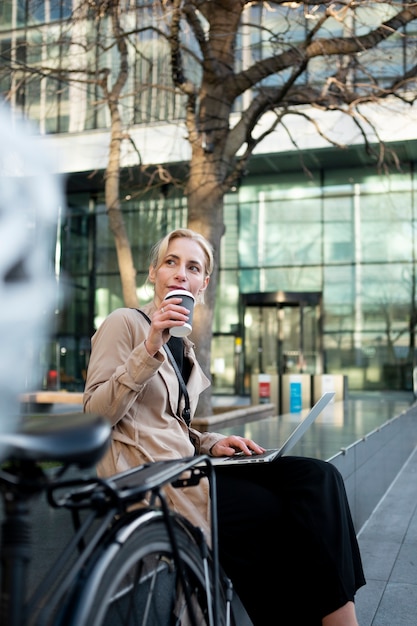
{"x": 305, "y": 57}
{"x": 244, "y": 69}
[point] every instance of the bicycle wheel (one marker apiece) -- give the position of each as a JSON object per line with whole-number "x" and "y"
{"x": 136, "y": 580}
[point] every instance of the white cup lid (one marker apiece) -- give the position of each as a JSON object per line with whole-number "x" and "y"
{"x": 179, "y": 293}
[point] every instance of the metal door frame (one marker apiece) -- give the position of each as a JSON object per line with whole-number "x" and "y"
{"x": 287, "y": 299}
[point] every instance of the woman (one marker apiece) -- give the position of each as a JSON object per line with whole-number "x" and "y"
{"x": 286, "y": 537}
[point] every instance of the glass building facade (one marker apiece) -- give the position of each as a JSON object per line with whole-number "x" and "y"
{"x": 344, "y": 241}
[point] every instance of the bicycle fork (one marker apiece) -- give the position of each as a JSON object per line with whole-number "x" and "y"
{"x": 212, "y": 601}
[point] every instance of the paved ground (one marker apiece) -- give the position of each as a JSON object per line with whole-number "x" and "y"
{"x": 388, "y": 544}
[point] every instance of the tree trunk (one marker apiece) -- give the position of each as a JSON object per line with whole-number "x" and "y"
{"x": 114, "y": 211}
{"x": 205, "y": 215}
{"x": 112, "y": 184}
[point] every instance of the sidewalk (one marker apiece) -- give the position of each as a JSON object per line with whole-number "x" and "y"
{"x": 388, "y": 543}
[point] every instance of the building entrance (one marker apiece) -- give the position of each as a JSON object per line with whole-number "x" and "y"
{"x": 282, "y": 333}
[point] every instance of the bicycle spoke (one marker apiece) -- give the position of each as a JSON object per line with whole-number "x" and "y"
{"x": 134, "y": 580}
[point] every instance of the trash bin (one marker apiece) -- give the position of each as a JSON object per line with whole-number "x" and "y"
{"x": 330, "y": 382}
{"x": 295, "y": 392}
{"x": 264, "y": 389}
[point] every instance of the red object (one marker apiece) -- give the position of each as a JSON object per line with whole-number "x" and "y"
{"x": 52, "y": 379}
{"x": 264, "y": 389}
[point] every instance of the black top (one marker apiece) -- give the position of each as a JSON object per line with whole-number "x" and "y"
{"x": 176, "y": 345}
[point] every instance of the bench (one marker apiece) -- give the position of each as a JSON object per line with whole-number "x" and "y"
{"x": 42, "y": 401}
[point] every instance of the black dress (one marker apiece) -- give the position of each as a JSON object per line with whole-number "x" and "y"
{"x": 287, "y": 541}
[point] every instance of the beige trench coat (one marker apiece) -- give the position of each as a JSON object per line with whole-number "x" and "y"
{"x": 139, "y": 395}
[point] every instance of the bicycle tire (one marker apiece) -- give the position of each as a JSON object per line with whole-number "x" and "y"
{"x": 134, "y": 580}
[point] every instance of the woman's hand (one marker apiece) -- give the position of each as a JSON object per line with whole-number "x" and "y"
{"x": 230, "y": 445}
{"x": 163, "y": 319}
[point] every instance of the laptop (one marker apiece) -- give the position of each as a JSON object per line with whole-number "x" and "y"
{"x": 295, "y": 436}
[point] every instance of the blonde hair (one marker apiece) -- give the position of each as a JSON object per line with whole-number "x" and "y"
{"x": 159, "y": 250}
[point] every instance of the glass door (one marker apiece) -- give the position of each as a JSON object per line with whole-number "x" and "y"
{"x": 282, "y": 337}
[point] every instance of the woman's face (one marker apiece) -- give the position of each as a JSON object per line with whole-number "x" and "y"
{"x": 183, "y": 267}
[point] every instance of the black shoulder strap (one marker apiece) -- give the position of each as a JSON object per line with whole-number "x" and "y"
{"x": 186, "y": 413}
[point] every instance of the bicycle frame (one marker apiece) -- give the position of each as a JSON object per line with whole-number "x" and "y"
{"x": 105, "y": 503}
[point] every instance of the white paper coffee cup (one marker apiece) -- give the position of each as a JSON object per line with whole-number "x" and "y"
{"x": 188, "y": 301}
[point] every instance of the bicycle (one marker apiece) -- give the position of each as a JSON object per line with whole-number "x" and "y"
{"x": 124, "y": 564}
